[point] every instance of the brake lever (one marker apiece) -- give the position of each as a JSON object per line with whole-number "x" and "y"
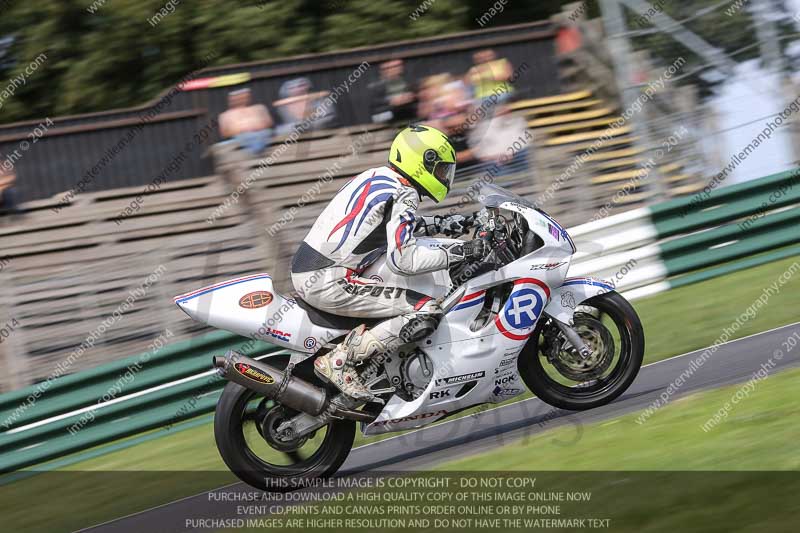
{"x": 503, "y": 255}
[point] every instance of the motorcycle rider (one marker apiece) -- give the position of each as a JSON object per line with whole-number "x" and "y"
{"x": 372, "y": 215}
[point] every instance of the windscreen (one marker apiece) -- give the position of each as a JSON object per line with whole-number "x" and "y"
{"x": 493, "y": 195}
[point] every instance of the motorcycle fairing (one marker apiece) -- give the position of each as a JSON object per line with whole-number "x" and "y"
{"x": 574, "y": 291}
{"x": 280, "y": 321}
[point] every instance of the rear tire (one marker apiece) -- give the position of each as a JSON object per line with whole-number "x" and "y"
{"x": 250, "y": 468}
{"x": 577, "y": 398}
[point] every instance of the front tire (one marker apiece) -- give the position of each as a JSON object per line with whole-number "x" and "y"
{"x": 598, "y": 390}
{"x": 233, "y": 414}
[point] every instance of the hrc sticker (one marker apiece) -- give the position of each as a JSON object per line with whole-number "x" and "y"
{"x": 255, "y": 300}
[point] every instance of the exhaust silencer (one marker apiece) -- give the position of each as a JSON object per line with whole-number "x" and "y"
{"x": 267, "y": 380}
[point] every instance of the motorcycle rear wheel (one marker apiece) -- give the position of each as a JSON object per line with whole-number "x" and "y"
{"x": 278, "y": 470}
{"x": 595, "y": 392}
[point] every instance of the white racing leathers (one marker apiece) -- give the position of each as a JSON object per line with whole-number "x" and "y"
{"x": 372, "y": 215}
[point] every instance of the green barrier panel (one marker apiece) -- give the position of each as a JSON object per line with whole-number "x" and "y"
{"x": 83, "y": 388}
{"x": 730, "y": 203}
{"x": 138, "y": 421}
{"x": 682, "y": 207}
{"x": 150, "y": 411}
{"x": 107, "y": 414}
{"x": 750, "y": 245}
{"x": 729, "y": 232}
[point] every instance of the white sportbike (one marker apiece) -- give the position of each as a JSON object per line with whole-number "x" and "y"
{"x": 513, "y": 318}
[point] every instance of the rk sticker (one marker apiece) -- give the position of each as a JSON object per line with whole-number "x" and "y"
{"x": 254, "y": 300}
{"x": 253, "y": 373}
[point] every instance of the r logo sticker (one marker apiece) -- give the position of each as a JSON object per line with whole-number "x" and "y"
{"x": 522, "y": 309}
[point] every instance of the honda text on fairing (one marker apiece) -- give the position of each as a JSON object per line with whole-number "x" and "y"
{"x": 510, "y": 319}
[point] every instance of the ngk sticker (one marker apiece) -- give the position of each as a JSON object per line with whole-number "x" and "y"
{"x": 504, "y": 380}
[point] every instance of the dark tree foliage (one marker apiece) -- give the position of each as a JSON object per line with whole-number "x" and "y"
{"x": 105, "y": 54}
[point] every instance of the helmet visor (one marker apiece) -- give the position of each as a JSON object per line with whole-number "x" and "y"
{"x": 445, "y": 172}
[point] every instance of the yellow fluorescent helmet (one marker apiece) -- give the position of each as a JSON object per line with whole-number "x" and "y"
{"x": 425, "y": 156}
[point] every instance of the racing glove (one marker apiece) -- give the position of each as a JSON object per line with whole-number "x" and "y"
{"x": 475, "y": 249}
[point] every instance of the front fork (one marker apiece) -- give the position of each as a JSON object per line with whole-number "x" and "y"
{"x": 574, "y": 339}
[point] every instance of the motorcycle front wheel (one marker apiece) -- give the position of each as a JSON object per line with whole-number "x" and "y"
{"x": 243, "y": 429}
{"x": 559, "y": 376}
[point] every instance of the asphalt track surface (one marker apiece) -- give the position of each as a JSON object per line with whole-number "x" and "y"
{"x": 733, "y": 362}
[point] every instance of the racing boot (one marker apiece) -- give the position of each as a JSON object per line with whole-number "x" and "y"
{"x": 338, "y": 366}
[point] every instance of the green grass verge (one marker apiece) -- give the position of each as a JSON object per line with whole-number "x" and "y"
{"x": 759, "y": 433}
{"x": 693, "y": 317}
{"x": 675, "y": 322}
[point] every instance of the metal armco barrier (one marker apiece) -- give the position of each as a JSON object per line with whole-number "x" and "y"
{"x": 90, "y": 408}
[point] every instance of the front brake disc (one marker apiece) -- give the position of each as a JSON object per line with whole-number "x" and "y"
{"x": 598, "y": 338}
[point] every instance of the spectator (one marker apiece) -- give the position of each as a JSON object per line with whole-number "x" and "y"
{"x": 436, "y": 102}
{"x": 428, "y": 90}
{"x": 8, "y": 200}
{"x": 391, "y": 97}
{"x": 459, "y": 135}
{"x": 246, "y": 124}
{"x": 298, "y": 104}
{"x": 490, "y": 76}
{"x": 502, "y": 139}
